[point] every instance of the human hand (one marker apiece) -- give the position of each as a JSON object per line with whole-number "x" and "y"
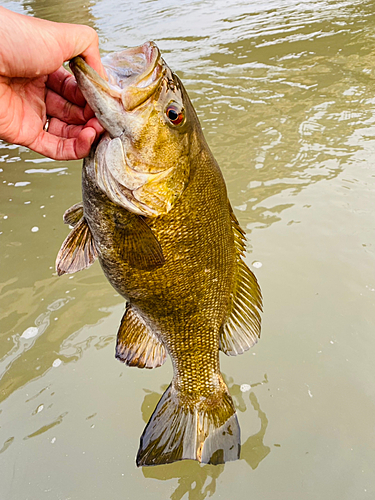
{"x": 34, "y": 85}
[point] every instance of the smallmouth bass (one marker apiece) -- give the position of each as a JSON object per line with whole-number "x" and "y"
{"x": 155, "y": 212}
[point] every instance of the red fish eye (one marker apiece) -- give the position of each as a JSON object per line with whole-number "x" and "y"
{"x": 174, "y": 115}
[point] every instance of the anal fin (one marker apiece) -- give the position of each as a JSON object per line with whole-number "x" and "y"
{"x": 241, "y": 329}
{"x": 137, "y": 345}
{"x": 77, "y": 251}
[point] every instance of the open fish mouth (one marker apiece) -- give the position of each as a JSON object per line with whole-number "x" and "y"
{"x": 133, "y": 77}
{"x": 135, "y": 73}
{"x": 135, "y": 67}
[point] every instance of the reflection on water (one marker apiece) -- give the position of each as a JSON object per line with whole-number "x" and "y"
{"x": 191, "y": 481}
{"x": 199, "y": 481}
{"x": 74, "y": 11}
{"x": 6, "y": 445}
{"x": 39, "y": 341}
{"x": 47, "y": 427}
{"x": 253, "y": 450}
{"x": 296, "y": 87}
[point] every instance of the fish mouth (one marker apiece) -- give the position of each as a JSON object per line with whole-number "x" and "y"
{"x": 133, "y": 77}
{"x": 140, "y": 67}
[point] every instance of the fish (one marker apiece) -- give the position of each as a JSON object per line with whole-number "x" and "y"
{"x": 155, "y": 213}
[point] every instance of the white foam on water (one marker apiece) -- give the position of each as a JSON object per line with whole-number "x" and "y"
{"x": 21, "y": 184}
{"x": 245, "y": 387}
{"x": 30, "y": 332}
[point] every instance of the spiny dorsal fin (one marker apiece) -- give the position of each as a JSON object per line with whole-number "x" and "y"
{"x": 241, "y": 329}
{"x": 137, "y": 345}
{"x": 78, "y": 250}
{"x": 74, "y": 214}
{"x": 137, "y": 243}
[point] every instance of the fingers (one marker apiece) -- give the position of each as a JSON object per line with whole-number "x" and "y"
{"x": 93, "y": 123}
{"x": 60, "y": 148}
{"x": 59, "y": 107}
{"x": 63, "y": 83}
{"x": 64, "y": 130}
{"x": 84, "y": 141}
{"x": 72, "y": 128}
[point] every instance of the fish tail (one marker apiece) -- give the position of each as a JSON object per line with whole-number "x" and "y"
{"x": 206, "y": 431}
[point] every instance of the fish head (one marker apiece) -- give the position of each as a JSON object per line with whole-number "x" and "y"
{"x": 143, "y": 161}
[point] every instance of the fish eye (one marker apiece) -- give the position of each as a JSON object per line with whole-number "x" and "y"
{"x": 174, "y": 114}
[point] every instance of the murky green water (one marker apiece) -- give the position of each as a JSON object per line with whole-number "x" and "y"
{"x": 285, "y": 91}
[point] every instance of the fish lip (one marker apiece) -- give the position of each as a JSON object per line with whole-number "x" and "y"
{"x": 79, "y": 67}
{"x": 152, "y": 59}
{"x": 141, "y": 79}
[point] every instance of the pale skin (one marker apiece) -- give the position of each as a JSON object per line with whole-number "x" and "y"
{"x": 34, "y": 85}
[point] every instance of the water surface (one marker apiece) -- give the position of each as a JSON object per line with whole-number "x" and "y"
{"x": 285, "y": 93}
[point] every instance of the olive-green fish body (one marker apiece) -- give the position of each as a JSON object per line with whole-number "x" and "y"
{"x": 187, "y": 297}
{"x": 169, "y": 243}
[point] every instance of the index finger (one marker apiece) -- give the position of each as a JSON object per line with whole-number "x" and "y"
{"x": 61, "y": 148}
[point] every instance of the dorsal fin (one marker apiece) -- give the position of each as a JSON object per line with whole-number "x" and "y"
{"x": 241, "y": 329}
{"x": 78, "y": 250}
{"x": 74, "y": 214}
{"x": 137, "y": 345}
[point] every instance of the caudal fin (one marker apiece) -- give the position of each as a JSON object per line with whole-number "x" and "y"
{"x": 207, "y": 432}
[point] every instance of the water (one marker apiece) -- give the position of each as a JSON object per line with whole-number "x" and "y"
{"x": 285, "y": 92}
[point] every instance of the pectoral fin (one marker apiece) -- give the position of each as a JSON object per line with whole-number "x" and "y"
{"x": 138, "y": 245}
{"x": 241, "y": 330}
{"x": 74, "y": 214}
{"x": 137, "y": 345}
{"x": 78, "y": 250}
